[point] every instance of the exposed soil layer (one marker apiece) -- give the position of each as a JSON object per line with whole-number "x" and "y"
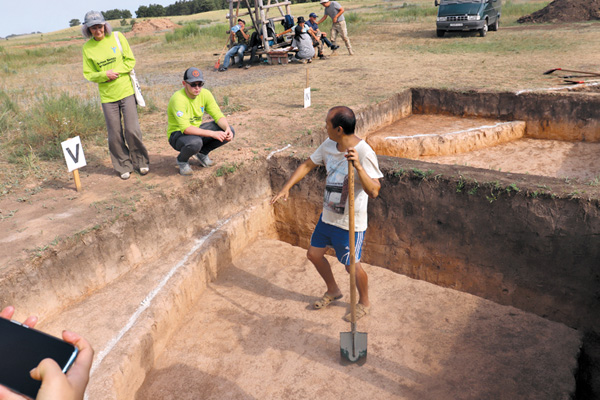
{"x": 565, "y": 11}
{"x": 149, "y": 26}
{"x": 436, "y": 135}
{"x": 257, "y": 337}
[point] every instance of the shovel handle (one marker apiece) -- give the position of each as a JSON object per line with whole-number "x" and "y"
{"x": 352, "y": 244}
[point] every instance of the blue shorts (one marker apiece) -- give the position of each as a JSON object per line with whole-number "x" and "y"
{"x": 326, "y": 235}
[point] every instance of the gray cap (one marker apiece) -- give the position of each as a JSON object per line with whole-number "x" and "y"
{"x": 93, "y": 18}
{"x": 193, "y": 75}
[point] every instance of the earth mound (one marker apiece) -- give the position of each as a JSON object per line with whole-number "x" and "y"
{"x": 565, "y": 11}
{"x": 153, "y": 25}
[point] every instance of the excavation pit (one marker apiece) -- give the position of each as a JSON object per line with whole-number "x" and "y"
{"x": 206, "y": 293}
{"x": 527, "y": 134}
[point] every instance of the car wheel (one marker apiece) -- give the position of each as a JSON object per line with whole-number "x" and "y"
{"x": 495, "y": 25}
{"x": 483, "y": 30}
{"x": 440, "y": 33}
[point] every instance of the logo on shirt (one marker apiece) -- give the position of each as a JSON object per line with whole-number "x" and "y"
{"x": 114, "y": 49}
{"x": 179, "y": 113}
{"x": 202, "y": 109}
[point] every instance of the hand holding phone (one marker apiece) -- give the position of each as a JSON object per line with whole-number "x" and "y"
{"x": 54, "y": 383}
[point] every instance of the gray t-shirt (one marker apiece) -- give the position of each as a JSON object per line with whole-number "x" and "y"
{"x": 332, "y": 9}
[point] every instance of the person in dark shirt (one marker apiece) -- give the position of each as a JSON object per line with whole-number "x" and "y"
{"x": 237, "y": 31}
{"x": 321, "y": 36}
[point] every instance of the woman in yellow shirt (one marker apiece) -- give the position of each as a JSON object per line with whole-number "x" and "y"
{"x": 108, "y": 64}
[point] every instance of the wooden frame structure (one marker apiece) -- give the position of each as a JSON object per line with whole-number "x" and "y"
{"x": 259, "y": 15}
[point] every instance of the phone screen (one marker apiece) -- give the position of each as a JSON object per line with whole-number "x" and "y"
{"x": 22, "y": 348}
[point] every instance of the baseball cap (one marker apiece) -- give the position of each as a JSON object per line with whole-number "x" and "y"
{"x": 312, "y": 15}
{"x": 324, "y": 1}
{"x": 193, "y": 74}
{"x": 93, "y": 18}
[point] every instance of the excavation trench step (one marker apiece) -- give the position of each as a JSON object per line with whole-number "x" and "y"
{"x": 435, "y": 135}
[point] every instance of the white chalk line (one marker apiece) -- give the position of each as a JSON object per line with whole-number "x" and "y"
{"x": 448, "y": 133}
{"x": 277, "y": 151}
{"x": 148, "y": 300}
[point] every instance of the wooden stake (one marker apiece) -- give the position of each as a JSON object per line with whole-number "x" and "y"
{"x": 77, "y": 181}
{"x": 307, "y": 85}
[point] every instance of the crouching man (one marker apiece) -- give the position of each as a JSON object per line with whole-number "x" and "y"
{"x": 186, "y": 132}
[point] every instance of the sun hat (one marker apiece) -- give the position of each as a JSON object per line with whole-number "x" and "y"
{"x": 324, "y": 1}
{"x": 301, "y": 20}
{"x": 193, "y": 74}
{"x": 93, "y": 18}
{"x": 312, "y": 15}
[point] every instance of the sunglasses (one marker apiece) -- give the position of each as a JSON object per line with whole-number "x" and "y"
{"x": 196, "y": 84}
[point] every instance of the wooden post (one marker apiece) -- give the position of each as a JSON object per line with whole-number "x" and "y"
{"x": 307, "y": 85}
{"x": 77, "y": 181}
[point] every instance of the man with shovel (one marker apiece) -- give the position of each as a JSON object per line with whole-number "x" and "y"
{"x": 333, "y": 226}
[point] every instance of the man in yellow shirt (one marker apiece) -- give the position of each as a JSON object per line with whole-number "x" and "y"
{"x": 187, "y": 134}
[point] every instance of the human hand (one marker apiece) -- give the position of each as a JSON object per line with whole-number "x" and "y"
{"x": 69, "y": 386}
{"x": 283, "y": 194}
{"x": 228, "y": 134}
{"x": 219, "y": 135}
{"x": 55, "y": 384}
{"x": 334, "y": 20}
{"x": 111, "y": 75}
{"x": 352, "y": 155}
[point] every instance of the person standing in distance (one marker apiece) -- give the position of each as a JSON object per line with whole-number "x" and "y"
{"x": 186, "y": 132}
{"x": 334, "y": 10}
{"x": 105, "y": 64}
{"x": 332, "y": 230}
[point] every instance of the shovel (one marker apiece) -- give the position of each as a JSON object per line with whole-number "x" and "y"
{"x": 571, "y": 70}
{"x": 353, "y": 345}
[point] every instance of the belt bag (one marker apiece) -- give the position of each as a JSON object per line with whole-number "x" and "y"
{"x": 137, "y": 90}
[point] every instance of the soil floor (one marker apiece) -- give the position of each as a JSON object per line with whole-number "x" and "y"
{"x": 256, "y": 336}
{"x": 553, "y": 158}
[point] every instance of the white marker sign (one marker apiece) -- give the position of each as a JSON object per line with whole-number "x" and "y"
{"x": 73, "y": 153}
{"x": 306, "y": 97}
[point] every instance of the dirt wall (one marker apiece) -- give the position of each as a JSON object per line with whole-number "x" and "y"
{"x": 560, "y": 116}
{"x": 481, "y": 232}
{"x": 90, "y": 261}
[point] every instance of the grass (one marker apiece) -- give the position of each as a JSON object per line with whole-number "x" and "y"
{"x": 57, "y": 118}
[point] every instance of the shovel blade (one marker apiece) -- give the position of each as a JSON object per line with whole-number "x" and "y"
{"x": 353, "y": 345}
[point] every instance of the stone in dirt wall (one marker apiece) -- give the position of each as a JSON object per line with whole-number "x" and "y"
{"x": 540, "y": 254}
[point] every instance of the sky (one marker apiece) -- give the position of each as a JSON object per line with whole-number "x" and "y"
{"x": 26, "y": 16}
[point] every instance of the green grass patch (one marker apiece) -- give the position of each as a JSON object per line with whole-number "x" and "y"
{"x": 51, "y": 119}
{"x": 12, "y": 60}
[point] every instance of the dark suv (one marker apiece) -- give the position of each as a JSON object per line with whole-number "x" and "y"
{"x": 467, "y": 15}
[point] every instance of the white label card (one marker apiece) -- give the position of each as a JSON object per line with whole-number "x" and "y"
{"x": 73, "y": 153}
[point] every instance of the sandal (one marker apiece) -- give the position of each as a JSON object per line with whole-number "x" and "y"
{"x": 361, "y": 311}
{"x": 326, "y": 300}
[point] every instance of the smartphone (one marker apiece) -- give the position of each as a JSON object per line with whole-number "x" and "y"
{"x": 22, "y": 348}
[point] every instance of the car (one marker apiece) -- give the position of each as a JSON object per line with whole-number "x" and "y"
{"x": 468, "y": 15}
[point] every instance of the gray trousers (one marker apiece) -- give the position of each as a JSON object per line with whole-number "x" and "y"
{"x": 189, "y": 145}
{"x": 127, "y": 151}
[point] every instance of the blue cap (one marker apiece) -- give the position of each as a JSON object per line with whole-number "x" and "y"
{"x": 312, "y": 15}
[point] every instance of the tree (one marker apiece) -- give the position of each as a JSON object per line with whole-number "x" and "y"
{"x": 153, "y": 10}
{"x": 74, "y": 22}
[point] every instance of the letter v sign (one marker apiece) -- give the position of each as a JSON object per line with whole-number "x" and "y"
{"x": 73, "y": 152}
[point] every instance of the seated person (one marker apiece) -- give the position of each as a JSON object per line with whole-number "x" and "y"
{"x": 321, "y": 37}
{"x": 301, "y": 22}
{"x": 237, "y": 31}
{"x": 303, "y": 42}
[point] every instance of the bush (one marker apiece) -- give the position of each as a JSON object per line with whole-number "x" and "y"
{"x": 188, "y": 30}
{"x": 56, "y": 119}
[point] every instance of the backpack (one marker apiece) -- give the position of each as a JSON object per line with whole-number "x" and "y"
{"x": 288, "y": 22}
